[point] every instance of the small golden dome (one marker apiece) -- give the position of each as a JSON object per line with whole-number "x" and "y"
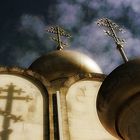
{"x": 58, "y": 64}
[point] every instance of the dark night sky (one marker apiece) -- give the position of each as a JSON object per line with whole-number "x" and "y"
{"x": 15, "y": 42}
{"x": 23, "y": 39}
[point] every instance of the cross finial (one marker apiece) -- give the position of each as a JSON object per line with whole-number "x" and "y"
{"x": 58, "y": 32}
{"x": 111, "y": 29}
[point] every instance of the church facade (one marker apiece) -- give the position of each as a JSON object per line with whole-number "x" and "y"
{"x": 54, "y": 99}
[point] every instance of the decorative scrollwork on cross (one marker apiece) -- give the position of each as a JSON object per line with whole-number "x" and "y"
{"x": 112, "y": 30}
{"x": 58, "y": 32}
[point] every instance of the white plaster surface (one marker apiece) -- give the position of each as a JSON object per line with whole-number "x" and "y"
{"x": 30, "y": 127}
{"x": 82, "y": 115}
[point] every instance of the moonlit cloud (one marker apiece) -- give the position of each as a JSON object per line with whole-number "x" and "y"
{"x": 134, "y": 4}
{"x": 33, "y": 23}
{"x": 70, "y": 14}
{"x": 132, "y": 45}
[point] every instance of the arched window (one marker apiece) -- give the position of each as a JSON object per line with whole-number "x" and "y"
{"x": 83, "y": 121}
{"x": 23, "y": 107}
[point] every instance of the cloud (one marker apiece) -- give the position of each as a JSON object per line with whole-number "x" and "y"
{"x": 34, "y": 23}
{"x": 34, "y": 27}
{"x": 134, "y": 4}
{"x": 70, "y": 14}
{"x": 132, "y": 45}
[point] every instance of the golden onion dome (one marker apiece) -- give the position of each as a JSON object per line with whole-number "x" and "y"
{"x": 58, "y": 64}
{"x": 118, "y": 101}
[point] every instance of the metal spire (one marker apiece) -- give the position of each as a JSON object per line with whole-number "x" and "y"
{"x": 58, "y": 32}
{"x": 111, "y": 30}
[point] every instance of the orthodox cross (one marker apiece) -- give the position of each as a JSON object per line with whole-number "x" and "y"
{"x": 111, "y": 30}
{"x": 10, "y": 90}
{"x": 59, "y": 32}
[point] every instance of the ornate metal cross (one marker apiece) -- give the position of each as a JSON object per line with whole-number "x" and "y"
{"x": 59, "y": 32}
{"x": 111, "y": 30}
{"x": 10, "y": 90}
